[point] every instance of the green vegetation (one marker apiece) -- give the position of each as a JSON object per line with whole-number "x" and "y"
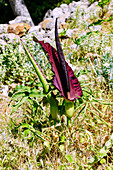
{"x": 29, "y": 137}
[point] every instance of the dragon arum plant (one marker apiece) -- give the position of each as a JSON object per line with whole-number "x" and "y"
{"x": 64, "y": 79}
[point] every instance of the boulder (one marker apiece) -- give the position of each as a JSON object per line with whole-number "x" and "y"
{"x": 19, "y": 8}
{"x": 18, "y": 29}
{"x": 22, "y": 19}
{"x": 45, "y": 22}
{"x": 35, "y": 29}
{"x": 40, "y": 35}
{"x": 57, "y": 12}
{"x": 72, "y": 7}
{"x": 79, "y": 7}
{"x": 50, "y": 34}
{"x": 63, "y": 25}
{"x": 62, "y": 18}
{"x": 65, "y": 8}
{"x": 48, "y": 14}
{"x": 51, "y": 25}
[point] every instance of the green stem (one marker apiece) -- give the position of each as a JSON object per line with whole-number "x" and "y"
{"x": 69, "y": 122}
{"x": 38, "y": 70}
{"x": 69, "y": 108}
{"x": 53, "y": 107}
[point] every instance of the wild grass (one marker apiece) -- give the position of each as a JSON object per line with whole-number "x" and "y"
{"x": 29, "y": 139}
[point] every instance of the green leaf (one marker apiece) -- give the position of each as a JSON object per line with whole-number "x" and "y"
{"x": 15, "y": 107}
{"x": 36, "y": 94}
{"x": 69, "y": 158}
{"x": 37, "y": 69}
{"x": 17, "y": 95}
{"x": 24, "y": 125}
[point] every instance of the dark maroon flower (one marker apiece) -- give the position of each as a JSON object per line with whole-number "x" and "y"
{"x": 64, "y": 79}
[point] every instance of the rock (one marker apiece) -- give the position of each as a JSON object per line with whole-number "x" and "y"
{"x": 3, "y": 28}
{"x": 65, "y": 8}
{"x": 72, "y": 7}
{"x": 62, "y": 18}
{"x": 18, "y": 29}
{"x": 22, "y": 19}
{"x": 57, "y": 12}
{"x": 63, "y": 25}
{"x": 35, "y": 29}
{"x": 79, "y": 7}
{"x": 39, "y": 35}
{"x": 60, "y": 30}
{"x": 61, "y": 12}
{"x": 48, "y": 40}
{"x": 50, "y": 25}
{"x": 75, "y": 30}
{"x": 48, "y": 14}
{"x": 83, "y": 33}
{"x": 83, "y": 4}
{"x": 19, "y": 8}
{"x": 10, "y": 38}
{"x": 45, "y": 22}
{"x": 50, "y": 34}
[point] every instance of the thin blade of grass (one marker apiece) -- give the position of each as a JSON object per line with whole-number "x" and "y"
{"x": 77, "y": 115}
{"x": 99, "y": 116}
{"x": 104, "y": 103}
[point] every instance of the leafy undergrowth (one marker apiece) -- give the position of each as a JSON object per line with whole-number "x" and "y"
{"x": 29, "y": 139}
